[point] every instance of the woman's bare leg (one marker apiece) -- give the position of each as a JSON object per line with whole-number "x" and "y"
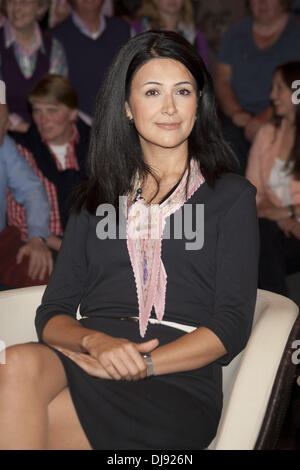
{"x": 31, "y": 379}
{"x": 65, "y": 431}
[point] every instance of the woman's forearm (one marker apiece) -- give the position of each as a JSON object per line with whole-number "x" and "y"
{"x": 67, "y": 332}
{"x": 225, "y": 94}
{"x": 191, "y": 351}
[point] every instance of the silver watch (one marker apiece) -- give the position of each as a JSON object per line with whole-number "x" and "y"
{"x": 149, "y": 364}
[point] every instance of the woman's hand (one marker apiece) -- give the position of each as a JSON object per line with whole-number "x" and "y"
{"x": 287, "y": 225}
{"x": 241, "y": 118}
{"x": 267, "y": 210}
{"x": 252, "y": 128}
{"x": 108, "y": 357}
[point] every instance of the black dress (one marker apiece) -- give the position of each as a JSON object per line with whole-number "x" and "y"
{"x": 214, "y": 287}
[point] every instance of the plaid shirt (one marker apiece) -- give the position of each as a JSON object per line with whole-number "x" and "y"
{"x": 16, "y": 214}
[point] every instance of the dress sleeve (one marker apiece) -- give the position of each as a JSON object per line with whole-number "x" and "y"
{"x": 236, "y": 274}
{"x": 68, "y": 280}
{"x": 255, "y": 160}
{"x": 28, "y": 191}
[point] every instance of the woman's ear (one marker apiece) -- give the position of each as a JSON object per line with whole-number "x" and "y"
{"x": 74, "y": 115}
{"x": 128, "y": 111}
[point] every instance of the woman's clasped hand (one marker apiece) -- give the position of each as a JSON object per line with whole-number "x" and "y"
{"x": 107, "y": 357}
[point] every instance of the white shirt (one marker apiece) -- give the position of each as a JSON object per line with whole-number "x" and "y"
{"x": 60, "y": 151}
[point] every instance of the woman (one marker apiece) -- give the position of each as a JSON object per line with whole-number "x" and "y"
{"x": 174, "y": 15}
{"x": 27, "y": 54}
{"x": 136, "y": 382}
{"x": 273, "y": 168}
{"x": 249, "y": 54}
{"x": 55, "y": 146}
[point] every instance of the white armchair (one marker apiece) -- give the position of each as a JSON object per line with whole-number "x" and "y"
{"x": 254, "y": 406}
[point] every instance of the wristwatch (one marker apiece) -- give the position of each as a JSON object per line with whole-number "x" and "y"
{"x": 292, "y": 211}
{"x": 43, "y": 240}
{"x": 149, "y": 363}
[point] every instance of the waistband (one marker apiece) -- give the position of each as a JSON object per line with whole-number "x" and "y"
{"x": 154, "y": 321}
{"x": 171, "y": 324}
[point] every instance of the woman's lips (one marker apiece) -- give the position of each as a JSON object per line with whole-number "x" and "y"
{"x": 168, "y": 126}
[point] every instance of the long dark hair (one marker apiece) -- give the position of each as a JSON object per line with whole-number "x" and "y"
{"x": 290, "y": 73}
{"x": 115, "y": 153}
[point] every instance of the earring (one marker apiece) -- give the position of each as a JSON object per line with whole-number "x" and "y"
{"x": 130, "y": 121}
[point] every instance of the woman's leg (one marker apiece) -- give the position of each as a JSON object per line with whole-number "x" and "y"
{"x": 31, "y": 384}
{"x": 65, "y": 431}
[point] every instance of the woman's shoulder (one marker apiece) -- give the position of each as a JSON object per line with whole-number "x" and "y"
{"x": 266, "y": 134}
{"x": 227, "y": 190}
{"x": 233, "y": 184}
{"x": 231, "y": 194}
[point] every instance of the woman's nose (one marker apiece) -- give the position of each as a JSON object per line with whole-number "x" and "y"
{"x": 272, "y": 94}
{"x": 169, "y": 106}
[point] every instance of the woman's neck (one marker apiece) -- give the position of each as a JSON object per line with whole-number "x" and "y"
{"x": 25, "y": 37}
{"x": 268, "y": 29}
{"x": 289, "y": 123}
{"x": 170, "y": 21}
{"x": 167, "y": 164}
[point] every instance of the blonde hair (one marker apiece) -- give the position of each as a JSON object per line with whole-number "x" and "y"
{"x": 54, "y": 89}
{"x": 150, "y": 11}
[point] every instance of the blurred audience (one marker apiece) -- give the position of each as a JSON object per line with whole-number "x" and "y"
{"x": 90, "y": 40}
{"x": 28, "y": 262}
{"x": 214, "y": 18}
{"x": 129, "y": 10}
{"x": 274, "y": 168}
{"x": 249, "y": 54}
{"x": 173, "y": 15}
{"x": 60, "y": 9}
{"x": 26, "y": 53}
{"x": 55, "y": 146}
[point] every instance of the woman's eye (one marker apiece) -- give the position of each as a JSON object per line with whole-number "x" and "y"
{"x": 184, "y": 91}
{"x": 151, "y": 92}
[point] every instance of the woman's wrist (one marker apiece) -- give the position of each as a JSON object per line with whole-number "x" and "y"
{"x": 89, "y": 338}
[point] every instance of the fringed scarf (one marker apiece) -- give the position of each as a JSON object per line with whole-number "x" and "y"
{"x": 145, "y": 226}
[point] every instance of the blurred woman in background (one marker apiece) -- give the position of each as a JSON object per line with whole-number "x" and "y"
{"x": 274, "y": 168}
{"x": 172, "y": 15}
{"x": 249, "y": 53}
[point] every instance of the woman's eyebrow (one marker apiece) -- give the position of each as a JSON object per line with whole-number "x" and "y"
{"x": 161, "y": 84}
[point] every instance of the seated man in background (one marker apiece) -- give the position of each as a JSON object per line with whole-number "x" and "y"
{"x": 22, "y": 264}
{"x": 90, "y": 41}
{"x": 55, "y": 146}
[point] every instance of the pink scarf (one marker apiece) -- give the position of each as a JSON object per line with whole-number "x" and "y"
{"x": 145, "y": 226}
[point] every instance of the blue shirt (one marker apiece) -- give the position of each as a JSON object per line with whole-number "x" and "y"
{"x": 253, "y": 68}
{"x": 27, "y": 189}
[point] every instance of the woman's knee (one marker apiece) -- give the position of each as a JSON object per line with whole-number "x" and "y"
{"x": 29, "y": 364}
